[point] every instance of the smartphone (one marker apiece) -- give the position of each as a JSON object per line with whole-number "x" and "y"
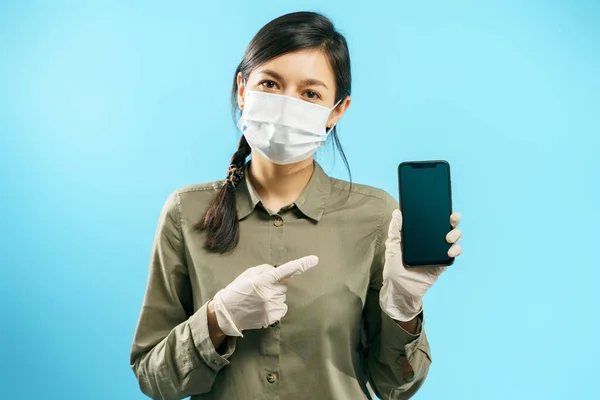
{"x": 426, "y": 205}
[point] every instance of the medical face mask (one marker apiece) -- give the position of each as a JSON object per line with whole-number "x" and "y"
{"x": 283, "y": 129}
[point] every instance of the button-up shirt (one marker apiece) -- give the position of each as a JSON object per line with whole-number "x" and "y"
{"x": 333, "y": 343}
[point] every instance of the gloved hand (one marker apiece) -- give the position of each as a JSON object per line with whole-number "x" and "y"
{"x": 256, "y": 298}
{"x": 403, "y": 288}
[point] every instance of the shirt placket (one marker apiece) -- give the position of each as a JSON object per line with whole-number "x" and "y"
{"x": 271, "y": 346}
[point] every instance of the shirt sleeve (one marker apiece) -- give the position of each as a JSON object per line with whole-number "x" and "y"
{"x": 172, "y": 355}
{"x": 397, "y": 362}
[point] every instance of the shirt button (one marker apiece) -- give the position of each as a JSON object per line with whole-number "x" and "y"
{"x": 278, "y": 221}
{"x": 272, "y": 377}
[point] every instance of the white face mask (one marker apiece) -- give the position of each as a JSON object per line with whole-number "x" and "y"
{"x": 283, "y": 129}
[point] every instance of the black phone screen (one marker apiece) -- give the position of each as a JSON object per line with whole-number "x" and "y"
{"x": 426, "y": 205}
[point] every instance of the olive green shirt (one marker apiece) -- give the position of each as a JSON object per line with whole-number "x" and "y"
{"x": 333, "y": 343}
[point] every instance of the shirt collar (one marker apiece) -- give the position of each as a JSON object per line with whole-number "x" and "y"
{"x": 311, "y": 202}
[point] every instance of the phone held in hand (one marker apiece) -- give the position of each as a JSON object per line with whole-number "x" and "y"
{"x": 426, "y": 205}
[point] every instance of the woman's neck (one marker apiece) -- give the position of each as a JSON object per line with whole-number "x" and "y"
{"x": 279, "y": 185}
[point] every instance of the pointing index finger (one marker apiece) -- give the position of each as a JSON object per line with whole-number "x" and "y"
{"x": 293, "y": 268}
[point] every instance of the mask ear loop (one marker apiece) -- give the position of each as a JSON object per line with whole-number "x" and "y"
{"x": 244, "y": 86}
{"x": 239, "y": 122}
{"x": 330, "y": 111}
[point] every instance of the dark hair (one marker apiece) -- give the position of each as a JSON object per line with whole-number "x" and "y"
{"x": 286, "y": 34}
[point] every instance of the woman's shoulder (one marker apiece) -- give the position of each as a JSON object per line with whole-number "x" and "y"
{"x": 195, "y": 196}
{"x": 199, "y": 188}
{"x": 368, "y": 196}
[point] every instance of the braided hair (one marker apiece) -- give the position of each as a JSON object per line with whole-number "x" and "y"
{"x": 221, "y": 221}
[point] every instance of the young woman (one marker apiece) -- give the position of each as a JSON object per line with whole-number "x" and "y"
{"x": 281, "y": 282}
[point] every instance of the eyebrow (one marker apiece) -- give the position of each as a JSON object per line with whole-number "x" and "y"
{"x": 304, "y": 82}
{"x": 313, "y": 82}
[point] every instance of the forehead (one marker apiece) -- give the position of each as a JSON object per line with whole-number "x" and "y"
{"x": 303, "y": 64}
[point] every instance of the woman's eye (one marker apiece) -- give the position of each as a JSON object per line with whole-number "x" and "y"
{"x": 312, "y": 95}
{"x": 268, "y": 84}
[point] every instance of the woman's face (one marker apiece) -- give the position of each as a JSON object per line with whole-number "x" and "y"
{"x": 304, "y": 74}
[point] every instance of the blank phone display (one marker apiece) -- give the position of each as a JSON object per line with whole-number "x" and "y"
{"x": 425, "y": 201}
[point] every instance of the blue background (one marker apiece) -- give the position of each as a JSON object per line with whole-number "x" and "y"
{"x": 106, "y": 107}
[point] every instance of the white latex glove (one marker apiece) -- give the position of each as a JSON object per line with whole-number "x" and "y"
{"x": 256, "y": 298}
{"x": 403, "y": 288}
